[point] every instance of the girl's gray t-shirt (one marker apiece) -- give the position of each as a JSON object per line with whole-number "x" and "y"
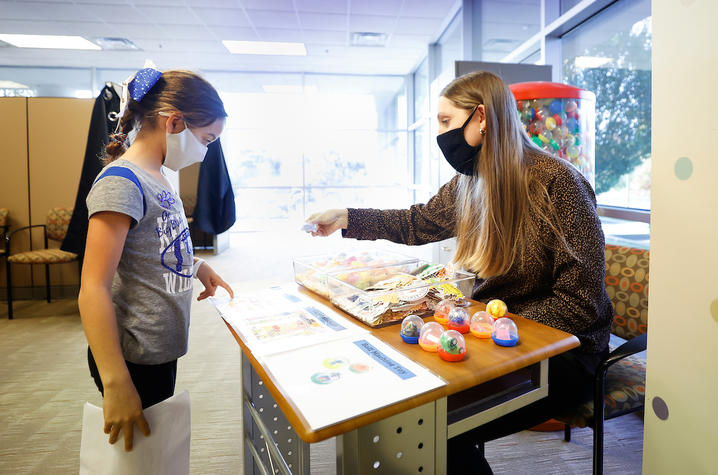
{"x": 152, "y": 288}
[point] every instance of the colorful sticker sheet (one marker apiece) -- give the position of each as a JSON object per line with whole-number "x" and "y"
{"x": 352, "y": 376}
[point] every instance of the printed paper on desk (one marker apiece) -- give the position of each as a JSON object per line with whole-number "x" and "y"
{"x": 165, "y": 451}
{"x": 279, "y": 319}
{"x": 335, "y": 381}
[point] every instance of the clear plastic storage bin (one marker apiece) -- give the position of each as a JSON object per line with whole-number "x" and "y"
{"x": 311, "y": 271}
{"x": 390, "y": 293}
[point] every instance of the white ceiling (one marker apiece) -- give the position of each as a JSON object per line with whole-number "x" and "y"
{"x": 188, "y": 33}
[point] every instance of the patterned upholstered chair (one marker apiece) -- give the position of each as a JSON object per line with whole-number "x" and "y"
{"x": 4, "y": 226}
{"x": 58, "y": 219}
{"x": 620, "y": 381}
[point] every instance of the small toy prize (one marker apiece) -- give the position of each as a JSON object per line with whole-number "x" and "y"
{"x": 505, "y": 332}
{"x": 429, "y": 336}
{"x": 482, "y": 324}
{"x": 496, "y": 308}
{"x": 411, "y": 329}
{"x": 452, "y": 346}
{"x": 458, "y": 320}
{"x": 441, "y": 312}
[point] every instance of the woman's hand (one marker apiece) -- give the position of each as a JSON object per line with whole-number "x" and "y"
{"x": 329, "y": 221}
{"x": 211, "y": 280}
{"x": 122, "y": 409}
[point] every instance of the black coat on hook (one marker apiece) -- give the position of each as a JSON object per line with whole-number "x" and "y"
{"x": 102, "y": 123}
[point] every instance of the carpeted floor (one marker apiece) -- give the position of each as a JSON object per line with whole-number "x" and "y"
{"x": 44, "y": 382}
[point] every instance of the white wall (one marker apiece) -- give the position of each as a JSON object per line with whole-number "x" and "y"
{"x": 683, "y": 303}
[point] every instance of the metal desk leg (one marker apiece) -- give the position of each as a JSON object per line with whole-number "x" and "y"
{"x": 404, "y": 443}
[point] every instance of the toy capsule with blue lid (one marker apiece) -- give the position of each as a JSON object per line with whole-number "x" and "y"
{"x": 411, "y": 329}
{"x": 505, "y": 332}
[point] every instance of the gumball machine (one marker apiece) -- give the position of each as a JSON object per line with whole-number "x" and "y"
{"x": 560, "y": 119}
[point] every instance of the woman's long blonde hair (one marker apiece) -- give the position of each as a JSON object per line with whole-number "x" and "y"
{"x": 500, "y": 208}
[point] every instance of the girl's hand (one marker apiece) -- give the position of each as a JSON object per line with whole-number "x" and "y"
{"x": 122, "y": 409}
{"x": 329, "y": 221}
{"x": 211, "y": 280}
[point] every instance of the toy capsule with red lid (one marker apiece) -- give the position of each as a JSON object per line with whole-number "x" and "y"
{"x": 452, "y": 346}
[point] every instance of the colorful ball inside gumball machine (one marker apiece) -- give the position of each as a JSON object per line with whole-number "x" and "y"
{"x": 482, "y": 324}
{"x": 411, "y": 329}
{"x": 441, "y": 312}
{"x": 429, "y": 336}
{"x": 496, "y": 308}
{"x": 458, "y": 320}
{"x": 505, "y": 332}
{"x": 561, "y": 120}
{"x": 452, "y": 346}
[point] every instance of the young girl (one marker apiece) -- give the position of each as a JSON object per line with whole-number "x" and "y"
{"x": 525, "y": 223}
{"x": 136, "y": 288}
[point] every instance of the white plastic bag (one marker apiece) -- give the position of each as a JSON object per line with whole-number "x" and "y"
{"x": 165, "y": 451}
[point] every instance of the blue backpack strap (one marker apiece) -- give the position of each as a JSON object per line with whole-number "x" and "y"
{"x": 125, "y": 173}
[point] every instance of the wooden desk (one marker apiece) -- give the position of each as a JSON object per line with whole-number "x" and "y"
{"x": 490, "y": 382}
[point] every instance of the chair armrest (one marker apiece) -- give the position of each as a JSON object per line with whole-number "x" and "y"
{"x": 631, "y": 347}
{"x": 11, "y": 233}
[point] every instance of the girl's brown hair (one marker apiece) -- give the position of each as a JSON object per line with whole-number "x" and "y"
{"x": 501, "y": 207}
{"x": 175, "y": 91}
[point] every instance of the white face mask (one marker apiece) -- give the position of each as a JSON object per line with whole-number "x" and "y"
{"x": 183, "y": 149}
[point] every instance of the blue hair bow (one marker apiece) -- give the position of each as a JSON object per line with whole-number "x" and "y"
{"x": 143, "y": 82}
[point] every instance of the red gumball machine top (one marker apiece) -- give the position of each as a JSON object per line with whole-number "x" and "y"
{"x": 561, "y": 120}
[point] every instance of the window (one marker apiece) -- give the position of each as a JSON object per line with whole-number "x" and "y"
{"x": 45, "y": 82}
{"x": 300, "y": 143}
{"x": 450, "y": 50}
{"x": 610, "y": 55}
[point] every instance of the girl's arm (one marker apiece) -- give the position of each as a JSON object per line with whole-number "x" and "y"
{"x": 211, "y": 280}
{"x": 121, "y": 405}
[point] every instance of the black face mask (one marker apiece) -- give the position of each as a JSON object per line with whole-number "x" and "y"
{"x": 457, "y": 152}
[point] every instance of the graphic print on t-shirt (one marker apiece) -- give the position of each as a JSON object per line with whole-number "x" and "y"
{"x": 176, "y": 253}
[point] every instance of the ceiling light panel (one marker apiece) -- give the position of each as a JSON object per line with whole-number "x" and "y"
{"x": 265, "y": 48}
{"x": 49, "y": 42}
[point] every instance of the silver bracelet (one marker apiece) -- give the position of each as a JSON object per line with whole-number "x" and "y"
{"x": 196, "y": 265}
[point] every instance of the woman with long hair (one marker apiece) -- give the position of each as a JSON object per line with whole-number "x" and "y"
{"x": 525, "y": 224}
